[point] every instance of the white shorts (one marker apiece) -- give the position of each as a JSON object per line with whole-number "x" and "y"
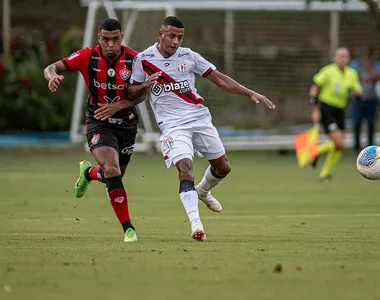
{"x": 200, "y": 137}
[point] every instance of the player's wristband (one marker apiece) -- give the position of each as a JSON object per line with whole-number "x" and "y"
{"x": 357, "y": 98}
{"x": 313, "y": 100}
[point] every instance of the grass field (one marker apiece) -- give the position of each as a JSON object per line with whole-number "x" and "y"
{"x": 325, "y": 236}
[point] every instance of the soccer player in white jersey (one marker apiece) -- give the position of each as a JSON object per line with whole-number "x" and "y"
{"x": 184, "y": 121}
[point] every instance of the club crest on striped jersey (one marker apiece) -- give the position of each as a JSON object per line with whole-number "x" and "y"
{"x": 95, "y": 138}
{"x": 181, "y": 67}
{"x": 111, "y": 72}
{"x": 125, "y": 74}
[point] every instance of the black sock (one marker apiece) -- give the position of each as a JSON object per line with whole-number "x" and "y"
{"x": 87, "y": 174}
{"x": 186, "y": 185}
{"x": 127, "y": 225}
{"x": 102, "y": 175}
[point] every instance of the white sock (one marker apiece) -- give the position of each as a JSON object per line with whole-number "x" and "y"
{"x": 208, "y": 181}
{"x": 190, "y": 203}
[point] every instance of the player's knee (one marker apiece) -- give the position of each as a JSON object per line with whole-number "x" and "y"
{"x": 223, "y": 170}
{"x": 111, "y": 170}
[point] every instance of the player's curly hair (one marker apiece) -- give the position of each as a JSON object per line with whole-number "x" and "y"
{"x": 110, "y": 25}
{"x": 173, "y": 21}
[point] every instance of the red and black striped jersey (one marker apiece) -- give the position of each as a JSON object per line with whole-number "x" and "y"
{"x": 107, "y": 81}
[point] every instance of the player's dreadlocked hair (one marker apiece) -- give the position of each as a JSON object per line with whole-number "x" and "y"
{"x": 110, "y": 25}
{"x": 173, "y": 21}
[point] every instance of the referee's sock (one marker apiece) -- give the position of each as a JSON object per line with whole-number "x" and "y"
{"x": 322, "y": 149}
{"x": 332, "y": 158}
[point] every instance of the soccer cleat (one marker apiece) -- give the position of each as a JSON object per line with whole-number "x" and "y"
{"x": 197, "y": 231}
{"x": 130, "y": 236}
{"x": 82, "y": 183}
{"x": 209, "y": 200}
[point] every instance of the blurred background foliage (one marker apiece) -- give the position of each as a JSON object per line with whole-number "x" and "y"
{"x": 275, "y": 53}
{"x": 25, "y": 101}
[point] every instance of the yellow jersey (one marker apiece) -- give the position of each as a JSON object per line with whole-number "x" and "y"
{"x": 336, "y": 86}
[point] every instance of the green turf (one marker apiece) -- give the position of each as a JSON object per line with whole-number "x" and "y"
{"x": 324, "y": 235}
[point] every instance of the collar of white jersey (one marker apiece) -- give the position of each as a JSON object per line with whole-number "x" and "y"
{"x": 160, "y": 55}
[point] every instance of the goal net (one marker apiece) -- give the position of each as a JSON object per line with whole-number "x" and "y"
{"x": 273, "y": 47}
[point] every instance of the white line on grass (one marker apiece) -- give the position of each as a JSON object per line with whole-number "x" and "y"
{"x": 228, "y": 217}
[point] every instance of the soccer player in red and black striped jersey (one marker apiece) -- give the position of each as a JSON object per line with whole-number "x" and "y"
{"x": 106, "y": 69}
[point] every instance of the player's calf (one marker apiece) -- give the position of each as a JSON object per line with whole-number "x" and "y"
{"x": 209, "y": 180}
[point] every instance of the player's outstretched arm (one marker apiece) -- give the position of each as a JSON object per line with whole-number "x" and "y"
{"x": 52, "y": 77}
{"x": 228, "y": 84}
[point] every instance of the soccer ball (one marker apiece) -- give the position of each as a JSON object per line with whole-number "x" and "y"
{"x": 368, "y": 163}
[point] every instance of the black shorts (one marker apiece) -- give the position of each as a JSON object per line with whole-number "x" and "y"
{"x": 332, "y": 118}
{"x": 121, "y": 139}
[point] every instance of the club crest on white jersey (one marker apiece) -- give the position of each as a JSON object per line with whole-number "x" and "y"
{"x": 181, "y": 67}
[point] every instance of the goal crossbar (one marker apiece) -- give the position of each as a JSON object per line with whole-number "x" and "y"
{"x": 237, "y": 5}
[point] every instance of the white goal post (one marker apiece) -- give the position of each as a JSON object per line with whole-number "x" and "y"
{"x": 131, "y": 10}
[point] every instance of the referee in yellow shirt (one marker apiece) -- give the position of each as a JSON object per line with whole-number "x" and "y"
{"x": 332, "y": 87}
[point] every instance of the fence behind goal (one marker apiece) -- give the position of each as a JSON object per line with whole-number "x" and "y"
{"x": 274, "y": 51}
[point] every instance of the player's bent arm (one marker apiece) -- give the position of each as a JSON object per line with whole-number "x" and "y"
{"x": 130, "y": 103}
{"x": 314, "y": 90}
{"x": 54, "y": 69}
{"x": 137, "y": 92}
{"x": 313, "y": 94}
{"x": 315, "y": 112}
{"x": 228, "y": 84}
{"x": 107, "y": 110}
{"x": 52, "y": 77}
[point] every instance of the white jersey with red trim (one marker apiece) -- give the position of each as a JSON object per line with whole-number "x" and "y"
{"x": 174, "y": 99}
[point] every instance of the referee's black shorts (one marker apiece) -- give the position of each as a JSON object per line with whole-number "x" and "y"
{"x": 121, "y": 139}
{"x": 332, "y": 118}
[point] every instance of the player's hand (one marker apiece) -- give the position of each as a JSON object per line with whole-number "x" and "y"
{"x": 256, "y": 97}
{"x": 315, "y": 115}
{"x": 54, "y": 82}
{"x": 107, "y": 110}
{"x": 152, "y": 79}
